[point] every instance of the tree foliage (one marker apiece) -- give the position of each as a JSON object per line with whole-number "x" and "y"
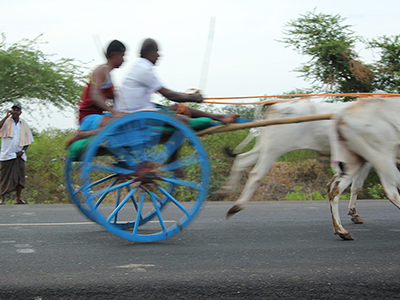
{"x": 334, "y": 65}
{"x": 27, "y": 73}
{"x": 387, "y": 68}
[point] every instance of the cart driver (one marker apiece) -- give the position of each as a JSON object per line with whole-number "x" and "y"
{"x": 141, "y": 82}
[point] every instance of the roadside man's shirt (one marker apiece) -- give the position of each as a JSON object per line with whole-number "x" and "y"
{"x": 10, "y": 147}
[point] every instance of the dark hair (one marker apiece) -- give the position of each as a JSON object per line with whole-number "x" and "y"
{"x": 147, "y": 46}
{"x": 115, "y": 46}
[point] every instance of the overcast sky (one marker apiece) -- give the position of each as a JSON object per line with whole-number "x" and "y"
{"x": 246, "y": 58}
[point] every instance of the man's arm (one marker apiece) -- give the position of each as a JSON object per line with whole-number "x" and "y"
{"x": 20, "y": 153}
{"x": 99, "y": 76}
{"x": 180, "y": 97}
{"x": 5, "y": 118}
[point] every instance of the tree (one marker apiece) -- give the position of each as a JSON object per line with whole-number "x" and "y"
{"x": 387, "y": 68}
{"x": 334, "y": 64}
{"x": 27, "y": 73}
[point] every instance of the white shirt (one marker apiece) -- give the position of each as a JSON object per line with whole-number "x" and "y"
{"x": 137, "y": 88}
{"x": 10, "y": 147}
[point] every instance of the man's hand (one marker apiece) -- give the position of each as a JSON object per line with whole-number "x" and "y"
{"x": 197, "y": 98}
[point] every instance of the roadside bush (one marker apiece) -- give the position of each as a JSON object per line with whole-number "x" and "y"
{"x": 45, "y": 168}
{"x": 309, "y": 173}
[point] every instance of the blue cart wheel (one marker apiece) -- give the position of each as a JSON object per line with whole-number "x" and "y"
{"x": 144, "y": 177}
{"x": 74, "y": 188}
{"x": 72, "y": 172}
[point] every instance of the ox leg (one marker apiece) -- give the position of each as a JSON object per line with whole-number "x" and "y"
{"x": 336, "y": 186}
{"x": 241, "y": 162}
{"x": 358, "y": 182}
{"x": 261, "y": 169}
{"x": 385, "y": 165}
{"x": 243, "y": 144}
{"x": 390, "y": 179}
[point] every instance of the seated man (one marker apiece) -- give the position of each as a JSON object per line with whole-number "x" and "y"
{"x": 98, "y": 90}
{"x": 134, "y": 95}
{"x": 141, "y": 82}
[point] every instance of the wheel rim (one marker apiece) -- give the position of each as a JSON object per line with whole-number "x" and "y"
{"x": 74, "y": 188}
{"x": 135, "y": 191}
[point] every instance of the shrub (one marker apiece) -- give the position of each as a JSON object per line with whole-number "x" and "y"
{"x": 46, "y": 158}
{"x": 45, "y": 168}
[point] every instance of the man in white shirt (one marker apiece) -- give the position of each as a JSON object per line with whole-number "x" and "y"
{"x": 141, "y": 82}
{"x": 15, "y": 139}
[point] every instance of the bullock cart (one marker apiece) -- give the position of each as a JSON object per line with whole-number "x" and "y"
{"x": 131, "y": 179}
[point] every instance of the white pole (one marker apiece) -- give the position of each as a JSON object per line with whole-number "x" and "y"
{"x": 206, "y": 62}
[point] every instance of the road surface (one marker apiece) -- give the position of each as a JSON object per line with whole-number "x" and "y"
{"x": 270, "y": 250}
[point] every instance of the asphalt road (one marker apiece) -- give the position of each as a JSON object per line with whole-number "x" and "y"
{"x": 271, "y": 250}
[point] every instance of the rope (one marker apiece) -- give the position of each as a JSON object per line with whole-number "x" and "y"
{"x": 299, "y": 97}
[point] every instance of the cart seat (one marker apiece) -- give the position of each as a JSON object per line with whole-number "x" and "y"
{"x": 75, "y": 149}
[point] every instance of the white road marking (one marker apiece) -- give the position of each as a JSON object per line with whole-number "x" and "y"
{"x": 71, "y": 223}
{"x": 27, "y": 250}
{"x": 47, "y": 224}
{"x": 24, "y": 248}
{"x": 135, "y": 267}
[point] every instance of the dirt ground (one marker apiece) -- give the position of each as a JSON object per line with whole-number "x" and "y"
{"x": 284, "y": 178}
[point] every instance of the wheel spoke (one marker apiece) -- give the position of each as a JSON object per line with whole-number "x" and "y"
{"x": 170, "y": 147}
{"x": 142, "y": 197}
{"x": 190, "y": 184}
{"x": 133, "y": 197}
{"x": 158, "y": 212}
{"x": 111, "y": 188}
{"x": 101, "y": 180}
{"x": 116, "y": 204}
{"x": 180, "y": 163}
{"x": 174, "y": 201}
{"x": 118, "y": 208}
{"x": 103, "y": 196}
{"x": 103, "y": 167}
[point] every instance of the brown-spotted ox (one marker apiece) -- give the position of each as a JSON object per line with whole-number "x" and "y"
{"x": 276, "y": 140}
{"x": 366, "y": 131}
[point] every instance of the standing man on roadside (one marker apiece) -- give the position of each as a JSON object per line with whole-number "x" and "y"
{"x": 16, "y": 136}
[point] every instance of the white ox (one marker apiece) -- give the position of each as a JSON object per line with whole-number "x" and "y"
{"x": 276, "y": 140}
{"x": 366, "y": 131}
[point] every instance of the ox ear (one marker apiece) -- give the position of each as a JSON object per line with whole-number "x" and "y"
{"x": 342, "y": 167}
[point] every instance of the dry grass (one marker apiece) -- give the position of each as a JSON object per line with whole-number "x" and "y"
{"x": 284, "y": 178}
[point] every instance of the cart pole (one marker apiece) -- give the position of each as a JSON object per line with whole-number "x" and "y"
{"x": 262, "y": 123}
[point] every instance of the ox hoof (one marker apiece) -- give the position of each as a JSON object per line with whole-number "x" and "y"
{"x": 357, "y": 220}
{"x": 223, "y": 191}
{"x": 346, "y": 236}
{"x": 233, "y": 210}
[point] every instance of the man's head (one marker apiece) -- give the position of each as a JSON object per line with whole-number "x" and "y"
{"x": 115, "y": 53}
{"x": 149, "y": 50}
{"x": 16, "y": 111}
